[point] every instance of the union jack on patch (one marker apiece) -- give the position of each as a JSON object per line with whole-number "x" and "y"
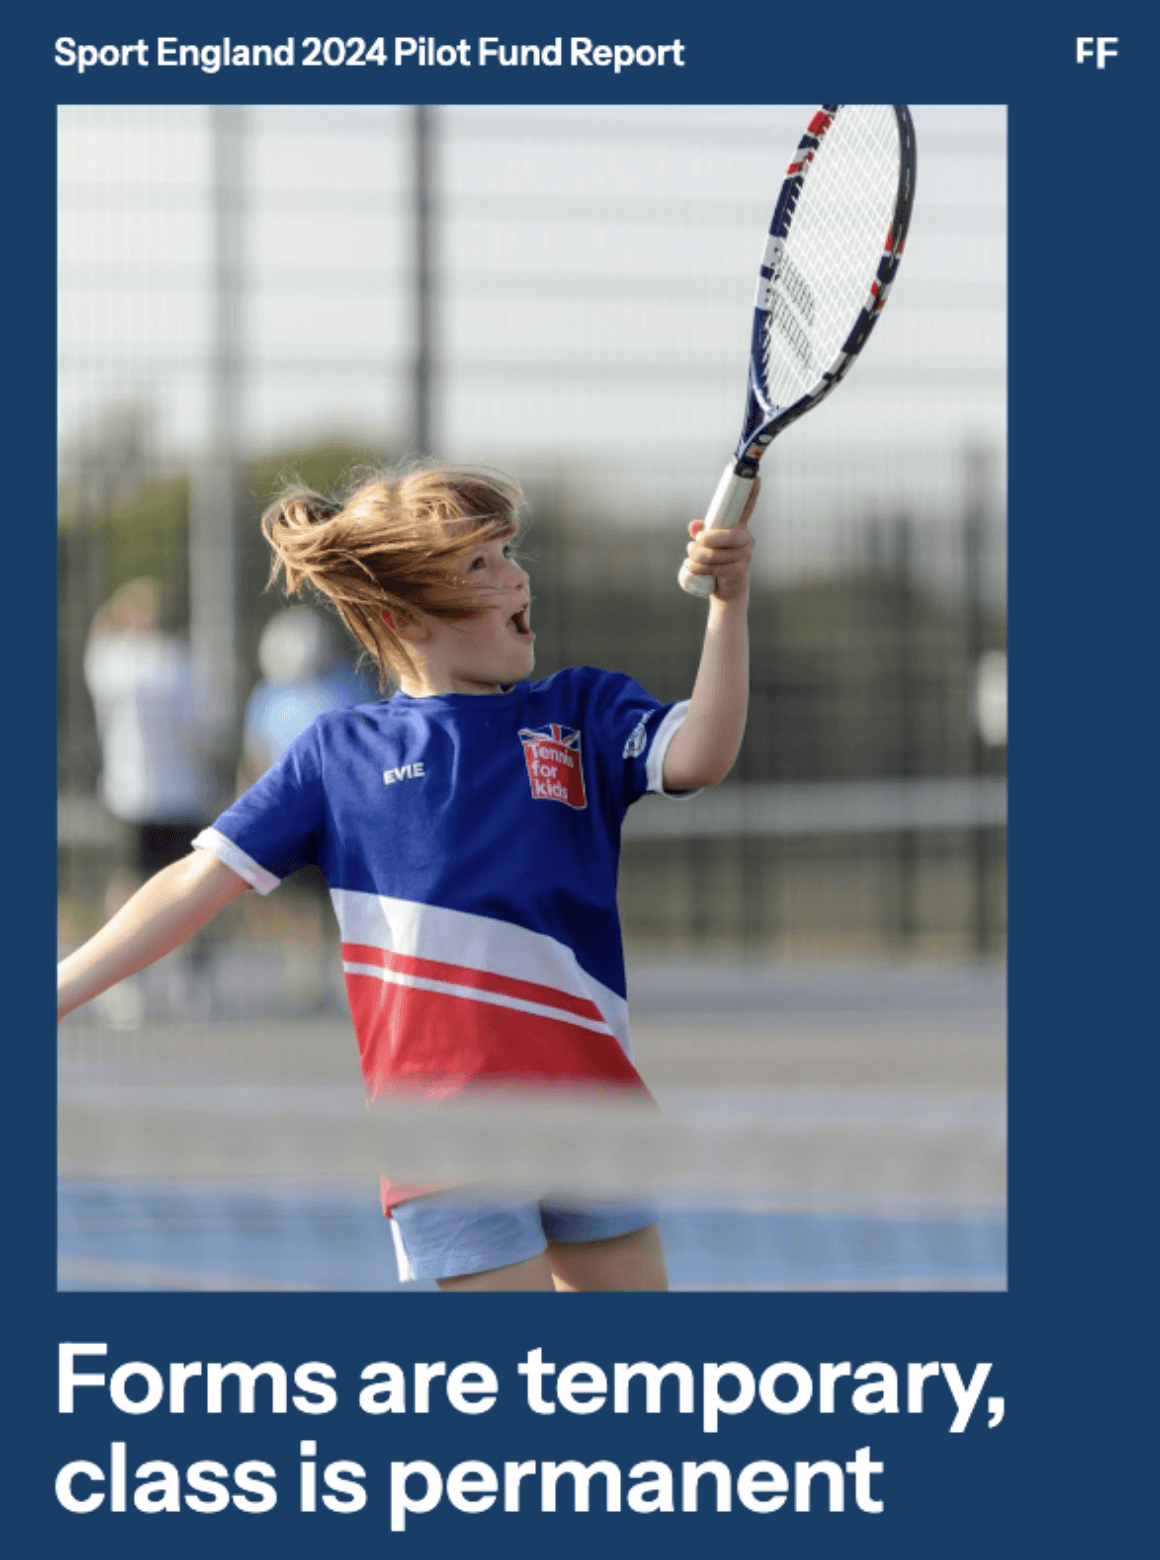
{"x": 555, "y": 772}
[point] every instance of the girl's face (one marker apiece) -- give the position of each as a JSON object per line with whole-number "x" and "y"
{"x": 484, "y": 653}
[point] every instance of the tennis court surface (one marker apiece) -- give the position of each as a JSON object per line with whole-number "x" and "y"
{"x": 822, "y": 1128}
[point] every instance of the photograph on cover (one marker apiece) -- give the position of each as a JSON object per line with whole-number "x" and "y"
{"x": 382, "y": 430}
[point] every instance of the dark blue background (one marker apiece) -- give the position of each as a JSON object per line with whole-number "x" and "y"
{"x": 1060, "y": 1475}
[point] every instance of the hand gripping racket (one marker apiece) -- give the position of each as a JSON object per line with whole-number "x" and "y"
{"x": 833, "y": 250}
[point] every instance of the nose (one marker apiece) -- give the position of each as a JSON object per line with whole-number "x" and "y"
{"x": 517, "y": 576}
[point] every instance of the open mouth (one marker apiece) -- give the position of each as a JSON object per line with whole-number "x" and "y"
{"x": 519, "y": 621}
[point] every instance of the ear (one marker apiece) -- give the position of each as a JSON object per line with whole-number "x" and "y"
{"x": 412, "y": 629}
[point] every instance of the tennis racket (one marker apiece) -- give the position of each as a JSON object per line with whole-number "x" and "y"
{"x": 832, "y": 254}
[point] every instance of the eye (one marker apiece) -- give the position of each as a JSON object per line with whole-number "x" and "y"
{"x": 477, "y": 563}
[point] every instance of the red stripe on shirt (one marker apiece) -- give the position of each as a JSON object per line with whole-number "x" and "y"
{"x": 482, "y": 980}
{"x": 438, "y": 1044}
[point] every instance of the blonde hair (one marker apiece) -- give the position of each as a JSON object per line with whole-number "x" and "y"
{"x": 395, "y": 544}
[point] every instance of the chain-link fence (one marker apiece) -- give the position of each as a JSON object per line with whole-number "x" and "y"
{"x": 247, "y": 292}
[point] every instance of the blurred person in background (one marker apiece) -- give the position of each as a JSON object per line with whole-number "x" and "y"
{"x": 151, "y": 724}
{"x": 304, "y": 675}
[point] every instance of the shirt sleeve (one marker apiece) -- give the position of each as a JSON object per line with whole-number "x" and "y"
{"x": 633, "y": 731}
{"x": 276, "y": 826}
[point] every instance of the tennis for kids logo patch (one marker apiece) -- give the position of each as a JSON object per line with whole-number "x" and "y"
{"x": 552, "y": 755}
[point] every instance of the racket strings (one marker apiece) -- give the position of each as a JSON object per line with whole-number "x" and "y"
{"x": 844, "y": 211}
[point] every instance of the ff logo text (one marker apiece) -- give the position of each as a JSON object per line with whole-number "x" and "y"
{"x": 1100, "y": 49}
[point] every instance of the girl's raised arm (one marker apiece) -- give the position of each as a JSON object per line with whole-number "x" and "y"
{"x": 704, "y": 748}
{"x": 162, "y": 914}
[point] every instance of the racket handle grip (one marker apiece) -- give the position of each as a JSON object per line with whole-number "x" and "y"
{"x": 729, "y": 500}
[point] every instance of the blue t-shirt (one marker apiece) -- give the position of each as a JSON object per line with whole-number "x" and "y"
{"x": 471, "y": 845}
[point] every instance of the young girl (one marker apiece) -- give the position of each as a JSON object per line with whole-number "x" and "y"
{"x": 469, "y": 829}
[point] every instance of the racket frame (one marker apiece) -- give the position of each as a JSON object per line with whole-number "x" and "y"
{"x": 764, "y": 420}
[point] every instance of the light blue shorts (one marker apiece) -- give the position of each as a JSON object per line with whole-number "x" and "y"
{"x": 438, "y": 1238}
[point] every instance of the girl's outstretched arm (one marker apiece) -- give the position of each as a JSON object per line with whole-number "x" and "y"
{"x": 703, "y": 751}
{"x": 162, "y": 914}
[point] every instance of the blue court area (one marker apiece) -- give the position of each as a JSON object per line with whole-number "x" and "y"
{"x": 848, "y": 1124}
{"x": 225, "y": 1236}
